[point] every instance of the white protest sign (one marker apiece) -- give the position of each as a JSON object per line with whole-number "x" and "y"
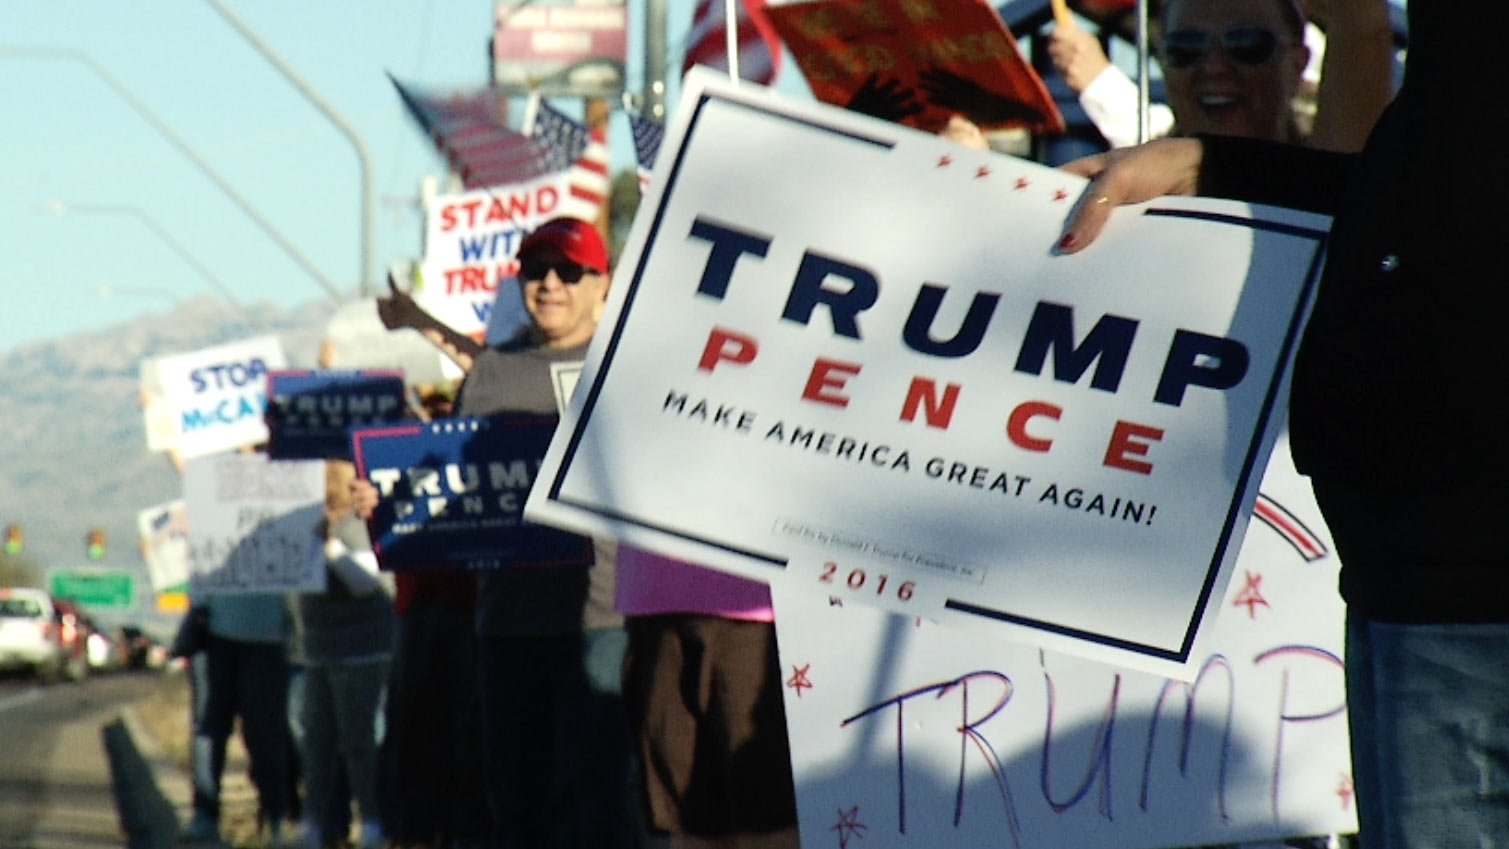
{"x": 470, "y": 242}
{"x": 907, "y": 733}
{"x": 252, "y": 524}
{"x": 164, "y": 532}
{"x": 217, "y": 394}
{"x": 838, "y": 340}
{"x": 157, "y": 417}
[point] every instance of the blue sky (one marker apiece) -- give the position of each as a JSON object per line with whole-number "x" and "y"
{"x": 104, "y": 218}
{"x": 134, "y": 204}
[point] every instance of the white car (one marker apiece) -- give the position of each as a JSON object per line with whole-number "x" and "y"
{"x": 29, "y": 636}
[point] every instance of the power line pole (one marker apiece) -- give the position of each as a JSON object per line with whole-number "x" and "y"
{"x": 364, "y": 163}
{"x": 183, "y": 147}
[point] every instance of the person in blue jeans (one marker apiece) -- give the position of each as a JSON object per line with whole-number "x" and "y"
{"x": 345, "y": 637}
{"x": 241, "y": 672}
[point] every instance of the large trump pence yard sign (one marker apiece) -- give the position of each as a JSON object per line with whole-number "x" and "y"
{"x": 844, "y": 352}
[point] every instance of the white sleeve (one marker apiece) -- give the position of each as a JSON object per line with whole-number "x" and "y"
{"x": 1110, "y": 100}
{"x": 356, "y": 569}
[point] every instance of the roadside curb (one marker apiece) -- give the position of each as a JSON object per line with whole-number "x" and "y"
{"x": 145, "y": 814}
{"x": 172, "y": 782}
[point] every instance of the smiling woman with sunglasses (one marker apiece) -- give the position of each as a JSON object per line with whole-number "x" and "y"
{"x": 1259, "y": 39}
{"x": 1232, "y": 67}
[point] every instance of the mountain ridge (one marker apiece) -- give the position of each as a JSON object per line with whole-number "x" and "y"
{"x": 75, "y": 451}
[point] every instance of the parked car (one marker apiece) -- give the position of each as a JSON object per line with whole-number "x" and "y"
{"x": 104, "y": 651}
{"x": 29, "y": 632}
{"x": 141, "y": 651}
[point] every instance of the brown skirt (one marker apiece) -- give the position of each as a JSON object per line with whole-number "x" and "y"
{"x": 703, "y": 695}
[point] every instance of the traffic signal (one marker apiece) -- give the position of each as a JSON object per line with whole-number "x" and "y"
{"x": 94, "y": 544}
{"x": 13, "y": 539}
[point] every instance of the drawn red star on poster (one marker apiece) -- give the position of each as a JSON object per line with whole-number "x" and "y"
{"x": 1251, "y": 595}
{"x": 1346, "y": 791}
{"x": 799, "y": 680}
{"x": 848, "y": 825}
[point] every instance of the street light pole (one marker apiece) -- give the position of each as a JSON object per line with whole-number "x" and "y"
{"x": 59, "y": 207}
{"x": 184, "y": 148}
{"x": 363, "y": 160}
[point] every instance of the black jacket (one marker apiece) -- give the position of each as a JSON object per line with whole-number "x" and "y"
{"x": 1397, "y": 409}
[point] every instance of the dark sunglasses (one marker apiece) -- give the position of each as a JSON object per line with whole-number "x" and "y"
{"x": 569, "y": 272}
{"x": 1244, "y": 45}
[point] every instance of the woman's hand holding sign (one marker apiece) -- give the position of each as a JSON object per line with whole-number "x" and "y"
{"x": 1128, "y": 175}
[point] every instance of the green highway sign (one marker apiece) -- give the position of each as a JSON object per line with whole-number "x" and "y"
{"x": 95, "y": 587}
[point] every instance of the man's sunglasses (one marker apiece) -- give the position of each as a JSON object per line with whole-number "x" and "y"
{"x": 1244, "y": 45}
{"x": 569, "y": 272}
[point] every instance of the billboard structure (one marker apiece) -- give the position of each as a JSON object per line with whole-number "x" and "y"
{"x": 560, "y": 47}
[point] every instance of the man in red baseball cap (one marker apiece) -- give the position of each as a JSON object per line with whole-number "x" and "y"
{"x": 555, "y": 745}
{"x": 563, "y": 278}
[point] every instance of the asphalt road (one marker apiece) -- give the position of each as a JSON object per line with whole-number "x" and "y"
{"x": 55, "y": 775}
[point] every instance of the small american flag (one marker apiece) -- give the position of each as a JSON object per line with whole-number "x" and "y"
{"x": 567, "y": 139}
{"x": 759, "y": 45}
{"x": 580, "y": 151}
{"x": 647, "y": 138}
{"x": 471, "y": 132}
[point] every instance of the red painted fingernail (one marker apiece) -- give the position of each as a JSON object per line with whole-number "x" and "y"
{"x": 1068, "y": 242}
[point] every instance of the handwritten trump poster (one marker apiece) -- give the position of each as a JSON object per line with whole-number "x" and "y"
{"x": 842, "y": 351}
{"x": 906, "y": 733}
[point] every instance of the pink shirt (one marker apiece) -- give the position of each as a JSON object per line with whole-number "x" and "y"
{"x": 650, "y": 583}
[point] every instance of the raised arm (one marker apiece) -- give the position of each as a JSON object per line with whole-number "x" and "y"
{"x": 1356, "y": 74}
{"x": 1107, "y": 95}
{"x": 398, "y": 310}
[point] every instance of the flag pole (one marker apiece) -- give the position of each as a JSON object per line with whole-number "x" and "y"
{"x": 531, "y": 111}
{"x": 1062, "y": 17}
{"x": 1144, "y": 119}
{"x": 731, "y": 37}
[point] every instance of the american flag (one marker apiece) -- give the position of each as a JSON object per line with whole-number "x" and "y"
{"x": 566, "y": 138}
{"x": 759, "y": 45}
{"x": 579, "y": 150}
{"x": 647, "y": 138}
{"x": 471, "y": 131}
